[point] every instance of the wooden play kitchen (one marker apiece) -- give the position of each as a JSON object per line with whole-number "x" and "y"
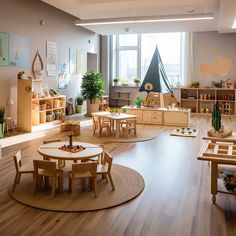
{"x": 218, "y": 151}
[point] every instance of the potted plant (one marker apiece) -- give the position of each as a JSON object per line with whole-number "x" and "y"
{"x": 195, "y": 85}
{"x": 116, "y": 81}
{"x": 137, "y": 81}
{"x": 79, "y": 103}
{"x": 2, "y": 111}
{"x": 216, "y": 118}
{"x": 92, "y": 90}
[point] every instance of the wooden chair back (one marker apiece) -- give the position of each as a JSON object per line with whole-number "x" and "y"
{"x": 51, "y": 141}
{"x": 49, "y": 167}
{"x": 108, "y": 161}
{"x": 17, "y": 160}
{"x": 80, "y": 168}
{"x": 131, "y": 122}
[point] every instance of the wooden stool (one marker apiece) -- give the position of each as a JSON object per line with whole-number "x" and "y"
{"x": 9, "y": 122}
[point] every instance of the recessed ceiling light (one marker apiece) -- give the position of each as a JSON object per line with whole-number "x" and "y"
{"x": 146, "y": 19}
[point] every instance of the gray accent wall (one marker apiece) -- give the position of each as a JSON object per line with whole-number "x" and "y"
{"x": 23, "y": 18}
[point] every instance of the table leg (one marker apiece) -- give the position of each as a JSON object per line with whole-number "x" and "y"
{"x": 117, "y": 128}
{"x": 214, "y": 175}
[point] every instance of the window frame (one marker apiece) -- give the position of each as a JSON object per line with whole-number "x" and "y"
{"x": 139, "y": 57}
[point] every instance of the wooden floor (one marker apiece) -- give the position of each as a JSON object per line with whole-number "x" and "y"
{"x": 176, "y": 199}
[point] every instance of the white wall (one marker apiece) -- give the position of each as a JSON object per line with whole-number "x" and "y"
{"x": 23, "y": 18}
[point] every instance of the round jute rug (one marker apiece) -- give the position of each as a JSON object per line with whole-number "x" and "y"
{"x": 128, "y": 183}
{"x": 143, "y": 134}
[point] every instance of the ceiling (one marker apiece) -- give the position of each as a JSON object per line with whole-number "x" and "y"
{"x": 224, "y": 12}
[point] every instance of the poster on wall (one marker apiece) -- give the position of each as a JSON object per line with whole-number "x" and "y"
{"x": 63, "y": 75}
{"x": 80, "y": 61}
{"x": 3, "y": 49}
{"x": 18, "y": 51}
{"x": 73, "y": 60}
{"x": 51, "y": 58}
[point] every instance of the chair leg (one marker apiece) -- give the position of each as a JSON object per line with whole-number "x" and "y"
{"x": 54, "y": 185}
{"x": 69, "y": 184}
{"x": 73, "y": 185}
{"x": 95, "y": 185}
{"x": 19, "y": 176}
{"x": 15, "y": 183}
{"x": 35, "y": 184}
{"x": 46, "y": 181}
{"x": 111, "y": 181}
{"x": 61, "y": 180}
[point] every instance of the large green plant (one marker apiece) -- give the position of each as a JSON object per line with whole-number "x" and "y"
{"x": 92, "y": 86}
{"x": 2, "y": 111}
{"x": 216, "y": 117}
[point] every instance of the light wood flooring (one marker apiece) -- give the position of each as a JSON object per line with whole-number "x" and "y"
{"x": 176, "y": 199}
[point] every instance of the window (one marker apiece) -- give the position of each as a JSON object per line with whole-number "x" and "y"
{"x": 132, "y": 54}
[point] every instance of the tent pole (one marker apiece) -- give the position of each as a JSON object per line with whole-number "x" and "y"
{"x": 161, "y": 100}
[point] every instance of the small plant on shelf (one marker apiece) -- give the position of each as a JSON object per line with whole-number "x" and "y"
{"x": 116, "y": 81}
{"x": 79, "y": 104}
{"x": 195, "y": 85}
{"x": 137, "y": 81}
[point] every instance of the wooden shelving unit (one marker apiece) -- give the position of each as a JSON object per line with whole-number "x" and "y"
{"x": 123, "y": 96}
{"x": 35, "y": 111}
{"x": 202, "y": 100}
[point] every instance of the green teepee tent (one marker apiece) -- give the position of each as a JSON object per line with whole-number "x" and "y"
{"x": 156, "y": 79}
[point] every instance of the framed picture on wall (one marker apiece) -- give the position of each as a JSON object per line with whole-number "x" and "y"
{"x": 3, "y": 49}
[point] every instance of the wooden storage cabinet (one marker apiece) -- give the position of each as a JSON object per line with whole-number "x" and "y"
{"x": 137, "y": 113}
{"x": 160, "y": 116}
{"x": 31, "y": 112}
{"x": 176, "y": 118}
{"x": 157, "y": 117}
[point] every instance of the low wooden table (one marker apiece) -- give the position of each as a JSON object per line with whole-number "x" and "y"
{"x": 217, "y": 151}
{"x": 51, "y": 150}
{"x": 117, "y": 118}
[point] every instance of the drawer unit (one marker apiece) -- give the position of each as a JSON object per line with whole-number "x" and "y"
{"x": 157, "y": 119}
{"x": 147, "y": 116}
{"x": 176, "y": 118}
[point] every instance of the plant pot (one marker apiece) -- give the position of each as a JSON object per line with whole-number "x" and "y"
{"x": 137, "y": 84}
{"x": 115, "y": 83}
{"x": 79, "y": 108}
{"x": 1, "y": 130}
{"x": 92, "y": 107}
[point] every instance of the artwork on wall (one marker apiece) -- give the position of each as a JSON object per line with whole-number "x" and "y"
{"x": 18, "y": 51}
{"x": 51, "y": 58}
{"x": 80, "y": 61}
{"x": 37, "y": 67}
{"x": 220, "y": 67}
{"x": 63, "y": 76}
{"x": 3, "y": 49}
{"x": 73, "y": 60}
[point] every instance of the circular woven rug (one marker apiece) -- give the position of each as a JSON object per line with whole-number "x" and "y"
{"x": 143, "y": 134}
{"x": 128, "y": 183}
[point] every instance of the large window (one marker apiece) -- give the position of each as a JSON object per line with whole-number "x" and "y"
{"x": 132, "y": 54}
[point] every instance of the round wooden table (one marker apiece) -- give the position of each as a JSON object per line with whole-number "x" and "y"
{"x": 51, "y": 150}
